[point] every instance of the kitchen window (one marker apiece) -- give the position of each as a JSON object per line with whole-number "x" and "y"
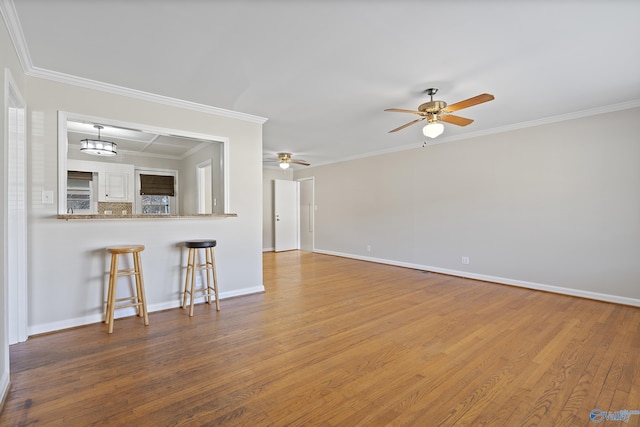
{"x": 156, "y": 192}
{"x": 80, "y": 192}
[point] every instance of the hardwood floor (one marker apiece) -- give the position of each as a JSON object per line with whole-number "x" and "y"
{"x": 340, "y": 342}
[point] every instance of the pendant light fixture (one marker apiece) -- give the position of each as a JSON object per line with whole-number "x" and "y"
{"x": 98, "y": 147}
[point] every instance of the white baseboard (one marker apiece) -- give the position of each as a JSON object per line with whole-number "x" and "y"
{"x": 4, "y": 388}
{"x": 500, "y": 280}
{"x": 268, "y": 249}
{"x": 241, "y": 292}
{"x": 97, "y": 318}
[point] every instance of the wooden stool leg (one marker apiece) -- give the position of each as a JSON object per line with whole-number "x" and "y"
{"x": 207, "y": 271}
{"x": 108, "y": 316}
{"x": 186, "y": 279}
{"x": 193, "y": 279}
{"x": 215, "y": 279}
{"x": 142, "y": 299}
{"x": 108, "y": 300}
{"x": 113, "y": 280}
{"x": 136, "y": 296}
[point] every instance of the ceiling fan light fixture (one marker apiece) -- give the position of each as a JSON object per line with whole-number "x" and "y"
{"x": 433, "y": 130}
{"x": 285, "y": 161}
{"x": 98, "y": 147}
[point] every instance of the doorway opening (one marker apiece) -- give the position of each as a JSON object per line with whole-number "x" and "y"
{"x": 204, "y": 182}
{"x": 307, "y": 214}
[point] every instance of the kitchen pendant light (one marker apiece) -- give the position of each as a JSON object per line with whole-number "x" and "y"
{"x": 98, "y": 147}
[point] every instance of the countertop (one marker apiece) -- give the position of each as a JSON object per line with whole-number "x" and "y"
{"x": 145, "y": 216}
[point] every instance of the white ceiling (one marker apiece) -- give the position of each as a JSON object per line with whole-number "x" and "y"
{"x": 135, "y": 142}
{"x": 322, "y": 72}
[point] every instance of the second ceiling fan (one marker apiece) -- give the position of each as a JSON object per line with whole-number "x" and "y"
{"x": 438, "y": 111}
{"x": 285, "y": 160}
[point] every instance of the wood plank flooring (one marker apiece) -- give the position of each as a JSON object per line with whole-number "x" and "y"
{"x": 340, "y": 342}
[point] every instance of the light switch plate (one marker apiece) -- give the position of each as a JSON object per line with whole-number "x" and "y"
{"x": 47, "y": 197}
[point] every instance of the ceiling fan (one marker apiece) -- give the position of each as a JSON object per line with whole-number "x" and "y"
{"x": 285, "y": 160}
{"x": 438, "y": 111}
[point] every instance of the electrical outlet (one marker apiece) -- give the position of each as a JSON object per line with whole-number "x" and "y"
{"x": 465, "y": 260}
{"x": 368, "y": 248}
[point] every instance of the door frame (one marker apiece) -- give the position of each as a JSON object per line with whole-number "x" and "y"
{"x": 312, "y": 212}
{"x": 15, "y": 216}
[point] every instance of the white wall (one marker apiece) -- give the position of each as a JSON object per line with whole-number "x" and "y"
{"x": 189, "y": 178}
{"x": 67, "y": 261}
{"x": 553, "y": 207}
{"x": 8, "y": 61}
{"x": 268, "y": 176}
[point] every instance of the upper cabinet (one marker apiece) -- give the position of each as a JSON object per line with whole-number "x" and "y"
{"x": 115, "y": 183}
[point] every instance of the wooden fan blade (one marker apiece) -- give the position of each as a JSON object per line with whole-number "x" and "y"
{"x": 455, "y": 120}
{"x": 400, "y": 110}
{"x": 300, "y": 162}
{"x": 468, "y": 102}
{"x": 408, "y": 124}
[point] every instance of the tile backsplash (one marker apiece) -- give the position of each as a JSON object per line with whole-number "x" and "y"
{"x": 114, "y": 208}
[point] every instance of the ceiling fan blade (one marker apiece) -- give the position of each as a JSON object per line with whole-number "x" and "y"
{"x": 400, "y": 110}
{"x": 485, "y": 97}
{"x": 455, "y": 120}
{"x": 300, "y": 162}
{"x": 408, "y": 124}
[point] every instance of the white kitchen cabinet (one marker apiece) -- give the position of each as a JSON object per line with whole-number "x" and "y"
{"x": 116, "y": 183}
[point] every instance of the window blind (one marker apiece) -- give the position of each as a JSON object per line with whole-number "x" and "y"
{"x": 86, "y": 176}
{"x": 157, "y": 185}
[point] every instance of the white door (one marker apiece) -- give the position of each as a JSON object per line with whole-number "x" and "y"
{"x": 285, "y": 214}
{"x": 306, "y": 214}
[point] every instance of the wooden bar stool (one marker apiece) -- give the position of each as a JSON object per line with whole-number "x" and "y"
{"x": 138, "y": 299}
{"x": 209, "y": 289}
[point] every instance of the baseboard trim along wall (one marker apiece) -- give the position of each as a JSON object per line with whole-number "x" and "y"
{"x": 5, "y": 384}
{"x": 97, "y": 318}
{"x": 499, "y": 280}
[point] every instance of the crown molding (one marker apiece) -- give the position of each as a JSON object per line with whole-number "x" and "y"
{"x": 8, "y": 11}
{"x": 501, "y": 129}
{"x": 549, "y": 120}
{"x": 138, "y": 94}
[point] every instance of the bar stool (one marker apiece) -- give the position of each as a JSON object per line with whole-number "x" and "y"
{"x": 138, "y": 299}
{"x": 209, "y": 290}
